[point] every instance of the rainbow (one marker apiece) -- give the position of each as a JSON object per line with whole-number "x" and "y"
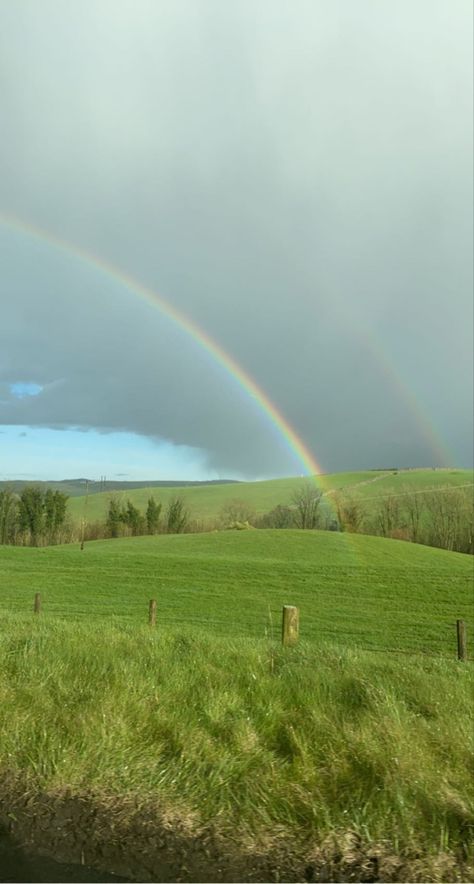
{"x": 295, "y": 444}
{"x": 407, "y": 395}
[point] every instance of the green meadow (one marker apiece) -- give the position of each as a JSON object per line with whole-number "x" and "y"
{"x": 364, "y": 729}
{"x": 354, "y": 588}
{"x": 206, "y": 502}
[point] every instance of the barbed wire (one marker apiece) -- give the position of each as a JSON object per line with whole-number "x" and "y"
{"x": 267, "y": 632}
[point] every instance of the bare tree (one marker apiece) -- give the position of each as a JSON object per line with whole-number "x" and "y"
{"x": 414, "y": 506}
{"x": 442, "y": 519}
{"x": 388, "y": 515}
{"x": 305, "y": 502}
{"x": 279, "y": 517}
{"x": 237, "y": 511}
{"x": 450, "y": 518}
{"x": 349, "y": 513}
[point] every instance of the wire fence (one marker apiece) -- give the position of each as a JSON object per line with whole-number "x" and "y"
{"x": 444, "y": 639}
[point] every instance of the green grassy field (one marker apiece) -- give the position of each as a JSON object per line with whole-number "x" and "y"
{"x": 414, "y": 480}
{"x": 363, "y": 729}
{"x": 380, "y": 593}
{"x": 206, "y": 502}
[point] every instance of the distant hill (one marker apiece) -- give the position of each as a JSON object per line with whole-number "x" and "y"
{"x": 205, "y": 502}
{"x": 77, "y": 487}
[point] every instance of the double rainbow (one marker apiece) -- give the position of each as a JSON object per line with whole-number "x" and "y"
{"x": 232, "y": 368}
{"x": 226, "y": 361}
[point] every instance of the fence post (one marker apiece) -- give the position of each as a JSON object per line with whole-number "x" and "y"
{"x": 152, "y": 612}
{"x": 290, "y": 625}
{"x": 37, "y": 604}
{"x": 462, "y": 641}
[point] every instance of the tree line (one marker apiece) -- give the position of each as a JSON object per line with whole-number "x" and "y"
{"x": 441, "y": 518}
{"x": 37, "y": 517}
{"x": 125, "y": 519}
{"x": 34, "y": 517}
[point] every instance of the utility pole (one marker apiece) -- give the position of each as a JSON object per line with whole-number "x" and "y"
{"x": 84, "y": 515}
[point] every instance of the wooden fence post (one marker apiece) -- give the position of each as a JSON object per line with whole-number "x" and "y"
{"x": 290, "y": 625}
{"x": 37, "y": 604}
{"x": 152, "y": 612}
{"x": 462, "y": 641}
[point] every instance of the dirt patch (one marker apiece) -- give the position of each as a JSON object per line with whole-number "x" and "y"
{"x": 17, "y": 866}
{"x": 142, "y": 842}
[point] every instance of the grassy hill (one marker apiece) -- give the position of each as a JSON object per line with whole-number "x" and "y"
{"x": 357, "y": 589}
{"x": 401, "y": 481}
{"x": 204, "y": 747}
{"x": 206, "y": 502}
{"x": 77, "y": 487}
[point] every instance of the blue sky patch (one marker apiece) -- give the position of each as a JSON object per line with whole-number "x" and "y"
{"x": 39, "y": 453}
{"x": 22, "y": 389}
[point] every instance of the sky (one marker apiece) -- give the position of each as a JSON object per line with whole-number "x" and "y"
{"x": 293, "y": 179}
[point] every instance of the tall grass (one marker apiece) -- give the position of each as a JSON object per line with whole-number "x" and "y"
{"x": 209, "y": 717}
{"x": 320, "y": 740}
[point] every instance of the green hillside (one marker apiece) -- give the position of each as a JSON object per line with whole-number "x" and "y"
{"x": 414, "y": 480}
{"x": 77, "y": 487}
{"x": 356, "y": 589}
{"x": 206, "y": 502}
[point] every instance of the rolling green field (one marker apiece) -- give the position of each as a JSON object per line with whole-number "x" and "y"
{"x": 206, "y": 502}
{"x": 357, "y": 589}
{"x": 414, "y": 480}
{"x": 361, "y": 735}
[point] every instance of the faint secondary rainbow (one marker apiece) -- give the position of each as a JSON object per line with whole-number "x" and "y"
{"x": 295, "y": 444}
{"x": 405, "y": 393}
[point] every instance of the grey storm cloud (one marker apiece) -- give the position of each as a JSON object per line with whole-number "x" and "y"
{"x": 295, "y": 176}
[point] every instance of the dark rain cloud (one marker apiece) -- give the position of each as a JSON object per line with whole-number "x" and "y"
{"x": 295, "y": 177}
